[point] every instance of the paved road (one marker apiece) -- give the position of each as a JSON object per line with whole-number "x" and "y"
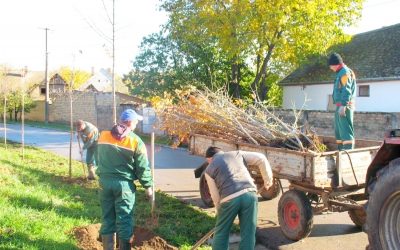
{"x": 174, "y": 175}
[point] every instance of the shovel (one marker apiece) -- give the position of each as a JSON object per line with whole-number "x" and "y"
{"x": 202, "y": 240}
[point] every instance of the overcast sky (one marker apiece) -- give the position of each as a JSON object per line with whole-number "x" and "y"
{"x": 80, "y": 30}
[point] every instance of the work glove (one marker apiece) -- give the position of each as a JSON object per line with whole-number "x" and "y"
{"x": 149, "y": 193}
{"x": 342, "y": 110}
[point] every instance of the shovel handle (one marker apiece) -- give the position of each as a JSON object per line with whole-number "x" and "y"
{"x": 202, "y": 240}
{"x": 153, "y": 199}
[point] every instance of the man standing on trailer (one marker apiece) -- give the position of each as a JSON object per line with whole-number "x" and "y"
{"x": 234, "y": 193}
{"x": 344, "y": 91}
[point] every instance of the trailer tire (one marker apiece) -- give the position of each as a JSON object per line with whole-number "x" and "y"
{"x": 383, "y": 217}
{"x": 272, "y": 192}
{"x": 358, "y": 217}
{"x": 205, "y": 192}
{"x": 295, "y": 215}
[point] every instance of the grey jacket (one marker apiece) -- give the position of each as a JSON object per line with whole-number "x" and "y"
{"x": 227, "y": 175}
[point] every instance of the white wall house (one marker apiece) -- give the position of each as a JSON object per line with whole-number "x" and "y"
{"x": 374, "y": 57}
{"x": 383, "y": 96}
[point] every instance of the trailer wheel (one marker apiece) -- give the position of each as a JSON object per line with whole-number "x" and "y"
{"x": 358, "y": 216}
{"x": 295, "y": 215}
{"x": 272, "y": 192}
{"x": 383, "y": 217}
{"x": 205, "y": 192}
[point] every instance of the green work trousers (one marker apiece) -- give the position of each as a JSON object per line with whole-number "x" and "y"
{"x": 344, "y": 131}
{"x": 90, "y": 160}
{"x": 245, "y": 206}
{"x": 117, "y": 200}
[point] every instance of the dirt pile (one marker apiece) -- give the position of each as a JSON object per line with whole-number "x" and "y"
{"x": 87, "y": 238}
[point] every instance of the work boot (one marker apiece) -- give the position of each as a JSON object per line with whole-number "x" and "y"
{"x": 124, "y": 244}
{"x": 108, "y": 241}
{"x": 91, "y": 174}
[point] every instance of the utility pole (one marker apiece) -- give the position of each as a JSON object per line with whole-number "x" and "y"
{"x": 46, "y": 108}
{"x": 113, "y": 66}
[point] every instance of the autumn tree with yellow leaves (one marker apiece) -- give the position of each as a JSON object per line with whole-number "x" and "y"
{"x": 244, "y": 44}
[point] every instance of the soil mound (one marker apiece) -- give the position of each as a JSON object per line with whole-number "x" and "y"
{"x": 88, "y": 237}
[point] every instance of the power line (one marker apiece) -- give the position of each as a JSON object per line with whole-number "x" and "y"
{"x": 94, "y": 28}
{"x": 105, "y": 9}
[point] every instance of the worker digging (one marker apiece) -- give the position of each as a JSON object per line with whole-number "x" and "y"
{"x": 89, "y": 134}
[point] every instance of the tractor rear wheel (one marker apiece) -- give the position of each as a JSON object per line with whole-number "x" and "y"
{"x": 295, "y": 215}
{"x": 383, "y": 217}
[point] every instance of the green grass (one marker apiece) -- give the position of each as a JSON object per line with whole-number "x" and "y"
{"x": 40, "y": 205}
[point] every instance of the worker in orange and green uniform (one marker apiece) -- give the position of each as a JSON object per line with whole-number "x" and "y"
{"x": 121, "y": 158}
{"x": 89, "y": 134}
{"x": 344, "y": 91}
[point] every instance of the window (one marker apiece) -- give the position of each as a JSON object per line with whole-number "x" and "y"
{"x": 363, "y": 90}
{"x": 42, "y": 91}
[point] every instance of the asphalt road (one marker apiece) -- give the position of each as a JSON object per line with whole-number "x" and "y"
{"x": 174, "y": 175}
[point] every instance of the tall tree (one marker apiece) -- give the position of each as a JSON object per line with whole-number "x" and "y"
{"x": 166, "y": 63}
{"x": 275, "y": 35}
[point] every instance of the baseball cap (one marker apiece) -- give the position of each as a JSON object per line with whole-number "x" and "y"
{"x": 130, "y": 115}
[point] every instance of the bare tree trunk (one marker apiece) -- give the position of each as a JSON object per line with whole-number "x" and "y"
{"x": 23, "y": 121}
{"x": 262, "y": 72}
{"x": 235, "y": 79}
{"x": 263, "y": 88}
{"x": 253, "y": 84}
{"x": 5, "y": 120}
{"x": 71, "y": 132}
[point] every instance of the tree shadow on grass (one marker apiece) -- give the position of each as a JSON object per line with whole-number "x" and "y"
{"x": 24, "y": 241}
{"x": 72, "y": 191}
{"x": 40, "y": 205}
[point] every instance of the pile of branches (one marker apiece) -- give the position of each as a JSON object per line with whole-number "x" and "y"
{"x": 214, "y": 113}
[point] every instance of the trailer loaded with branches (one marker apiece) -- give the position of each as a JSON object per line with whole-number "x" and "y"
{"x": 318, "y": 182}
{"x": 320, "y": 177}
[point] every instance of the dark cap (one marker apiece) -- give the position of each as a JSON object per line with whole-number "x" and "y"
{"x": 211, "y": 151}
{"x": 335, "y": 59}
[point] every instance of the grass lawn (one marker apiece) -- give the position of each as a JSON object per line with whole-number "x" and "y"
{"x": 40, "y": 204}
